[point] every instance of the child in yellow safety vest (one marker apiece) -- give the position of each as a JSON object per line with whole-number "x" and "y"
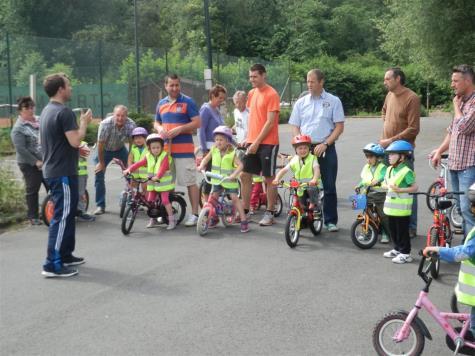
{"x": 224, "y": 161}
{"x": 465, "y": 254}
{"x": 304, "y": 165}
{"x": 372, "y": 175}
{"x": 399, "y": 181}
{"x": 81, "y": 213}
{"x": 138, "y": 150}
{"x": 158, "y": 163}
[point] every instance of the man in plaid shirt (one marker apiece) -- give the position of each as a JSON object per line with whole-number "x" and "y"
{"x": 460, "y": 139}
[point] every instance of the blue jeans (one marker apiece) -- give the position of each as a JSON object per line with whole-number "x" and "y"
{"x": 461, "y": 181}
{"x": 328, "y": 171}
{"x": 99, "y": 182}
{"x": 62, "y": 228}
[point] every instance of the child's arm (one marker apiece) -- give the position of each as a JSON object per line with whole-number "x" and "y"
{"x": 239, "y": 168}
{"x": 280, "y": 174}
{"x": 164, "y": 166}
{"x": 135, "y": 166}
{"x": 316, "y": 175}
{"x": 130, "y": 159}
{"x": 454, "y": 254}
{"x": 412, "y": 189}
{"x": 205, "y": 161}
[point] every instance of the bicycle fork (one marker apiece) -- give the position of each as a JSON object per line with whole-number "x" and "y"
{"x": 296, "y": 212}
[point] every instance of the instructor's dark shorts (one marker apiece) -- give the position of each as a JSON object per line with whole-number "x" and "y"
{"x": 263, "y": 161}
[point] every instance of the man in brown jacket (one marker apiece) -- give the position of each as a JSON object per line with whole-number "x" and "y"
{"x": 401, "y": 116}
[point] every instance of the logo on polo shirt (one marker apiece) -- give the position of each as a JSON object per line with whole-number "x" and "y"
{"x": 179, "y": 108}
{"x": 326, "y": 104}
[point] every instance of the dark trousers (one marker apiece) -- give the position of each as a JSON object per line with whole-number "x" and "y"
{"x": 62, "y": 228}
{"x": 399, "y": 231}
{"x": 328, "y": 171}
{"x": 33, "y": 178}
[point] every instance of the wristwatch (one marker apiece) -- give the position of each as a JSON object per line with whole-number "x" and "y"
{"x": 325, "y": 143}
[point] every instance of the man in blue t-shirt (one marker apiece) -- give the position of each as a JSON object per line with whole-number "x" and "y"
{"x": 60, "y": 139}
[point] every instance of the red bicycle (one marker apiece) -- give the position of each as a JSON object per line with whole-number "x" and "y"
{"x": 439, "y": 233}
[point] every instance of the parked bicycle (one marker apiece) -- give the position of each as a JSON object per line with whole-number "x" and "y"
{"x": 153, "y": 209}
{"x": 439, "y": 233}
{"x": 442, "y": 182}
{"x": 300, "y": 216}
{"x": 47, "y": 207}
{"x": 404, "y": 333}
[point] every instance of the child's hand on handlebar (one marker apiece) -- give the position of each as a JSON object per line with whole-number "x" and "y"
{"x": 126, "y": 172}
{"x": 275, "y": 182}
{"x": 312, "y": 183}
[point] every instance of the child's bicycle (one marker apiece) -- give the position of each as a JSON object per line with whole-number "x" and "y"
{"x": 404, "y": 333}
{"x": 439, "y": 233}
{"x": 126, "y": 194}
{"x": 364, "y": 231}
{"x": 300, "y": 217}
{"x": 215, "y": 209}
{"x": 153, "y": 209}
{"x": 47, "y": 207}
{"x": 454, "y": 214}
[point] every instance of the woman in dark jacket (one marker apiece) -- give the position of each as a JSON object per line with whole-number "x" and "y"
{"x": 25, "y": 137}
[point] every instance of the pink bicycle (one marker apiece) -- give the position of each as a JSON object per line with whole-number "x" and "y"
{"x": 404, "y": 333}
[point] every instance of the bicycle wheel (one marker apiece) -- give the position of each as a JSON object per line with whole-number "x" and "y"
{"x": 457, "y": 307}
{"x": 202, "y": 193}
{"x": 455, "y": 216}
{"x": 279, "y": 205}
{"x": 128, "y": 219}
{"x": 434, "y": 241}
{"x": 47, "y": 209}
{"x": 229, "y": 213}
{"x": 123, "y": 202}
{"x": 386, "y": 329}
{"x": 434, "y": 189}
{"x": 203, "y": 222}
{"x": 179, "y": 207}
{"x": 362, "y": 237}
{"x": 292, "y": 234}
{"x": 317, "y": 224}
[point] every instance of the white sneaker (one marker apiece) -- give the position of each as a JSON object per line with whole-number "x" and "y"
{"x": 192, "y": 220}
{"x": 391, "y": 254}
{"x": 402, "y": 258}
{"x": 171, "y": 223}
{"x": 152, "y": 223}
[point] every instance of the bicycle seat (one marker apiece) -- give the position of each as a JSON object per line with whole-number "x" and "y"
{"x": 444, "y": 204}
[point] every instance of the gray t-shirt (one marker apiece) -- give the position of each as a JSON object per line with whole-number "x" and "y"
{"x": 60, "y": 159}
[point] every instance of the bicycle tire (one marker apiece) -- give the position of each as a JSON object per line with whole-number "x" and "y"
{"x": 455, "y": 216}
{"x": 394, "y": 321}
{"x": 279, "y": 206}
{"x": 179, "y": 207}
{"x": 123, "y": 202}
{"x": 316, "y": 225}
{"x": 457, "y": 307}
{"x": 362, "y": 239}
{"x": 291, "y": 233}
{"x": 434, "y": 189}
{"x": 203, "y": 222}
{"x": 201, "y": 189}
{"x": 47, "y": 209}
{"x": 128, "y": 219}
{"x": 434, "y": 241}
{"x": 86, "y": 193}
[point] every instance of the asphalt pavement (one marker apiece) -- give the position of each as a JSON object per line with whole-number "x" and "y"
{"x": 158, "y": 292}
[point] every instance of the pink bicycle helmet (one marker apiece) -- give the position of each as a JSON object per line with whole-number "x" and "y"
{"x": 139, "y": 131}
{"x": 154, "y": 137}
{"x": 224, "y": 130}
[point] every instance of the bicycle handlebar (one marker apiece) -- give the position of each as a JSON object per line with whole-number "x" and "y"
{"x": 210, "y": 175}
{"x": 446, "y": 194}
{"x": 420, "y": 271}
{"x": 295, "y": 186}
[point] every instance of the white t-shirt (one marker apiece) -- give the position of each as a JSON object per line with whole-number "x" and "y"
{"x": 241, "y": 121}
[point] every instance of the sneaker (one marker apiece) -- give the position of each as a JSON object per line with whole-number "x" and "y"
{"x": 237, "y": 218}
{"x": 72, "y": 261}
{"x": 412, "y": 233}
{"x": 332, "y": 227}
{"x": 391, "y": 254}
{"x": 384, "y": 239}
{"x": 35, "y": 222}
{"x": 99, "y": 211}
{"x": 62, "y": 273}
{"x": 192, "y": 220}
{"x": 152, "y": 223}
{"x": 244, "y": 226}
{"x": 171, "y": 223}
{"x": 268, "y": 219}
{"x": 402, "y": 258}
{"x": 160, "y": 221}
{"x": 86, "y": 217}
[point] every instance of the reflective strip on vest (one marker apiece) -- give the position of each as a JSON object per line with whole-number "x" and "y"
{"x": 465, "y": 289}
{"x": 166, "y": 182}
{"x": 82, "y": 166}
{"x": 257, "y": 179}
{"x": 397, "y": 204}
{"x": 223, "y": 165}
{"x": 136, "y": 157}
{"x": 367, "y": 176}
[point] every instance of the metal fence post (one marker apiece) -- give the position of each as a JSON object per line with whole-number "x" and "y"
{"x": 101, "y": 88}
{"x": 9, "y": 74}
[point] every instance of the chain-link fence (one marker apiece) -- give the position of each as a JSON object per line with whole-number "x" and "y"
{"x": 104, "y": 74}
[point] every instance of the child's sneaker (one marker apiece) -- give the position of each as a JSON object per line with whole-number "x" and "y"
{"x": 244, "y": 226}
{"x": 171, "y": 223}
{"x": 384, "y": 238}
{"x": 402, "y": 258}
{"x": 152, "y": 223}
{"x": 391, "y": 254}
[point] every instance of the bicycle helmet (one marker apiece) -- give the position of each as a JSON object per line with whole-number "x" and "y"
{"x": 400, "y": 146}
{"x": 301, "y": 140}
{"x": 139, "y": 131}
{"x": 154, "y": 137}
{"x": 374, "y": 149}
{"x": 224, "y": 130}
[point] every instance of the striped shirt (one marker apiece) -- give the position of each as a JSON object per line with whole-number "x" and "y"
{"x": 462, "y": 137}
{"x": 171, "y": 114}
{"x": 112, "y": 136}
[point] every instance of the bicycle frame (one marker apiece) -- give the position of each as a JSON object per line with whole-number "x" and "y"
{"x": 296, "y": 208}
{"x": 438, "y": 223}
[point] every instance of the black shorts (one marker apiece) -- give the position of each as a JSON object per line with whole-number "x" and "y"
{"x": 262, "y": 162}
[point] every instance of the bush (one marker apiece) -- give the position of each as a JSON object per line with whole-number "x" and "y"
{"x": 6, "y": 145}
{"x": 284, "y": 115}
{"x": 143, "y": 120}
{"x": 12, "y": 198}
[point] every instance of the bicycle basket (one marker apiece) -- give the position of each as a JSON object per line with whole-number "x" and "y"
{"x": 358, "y": 201}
